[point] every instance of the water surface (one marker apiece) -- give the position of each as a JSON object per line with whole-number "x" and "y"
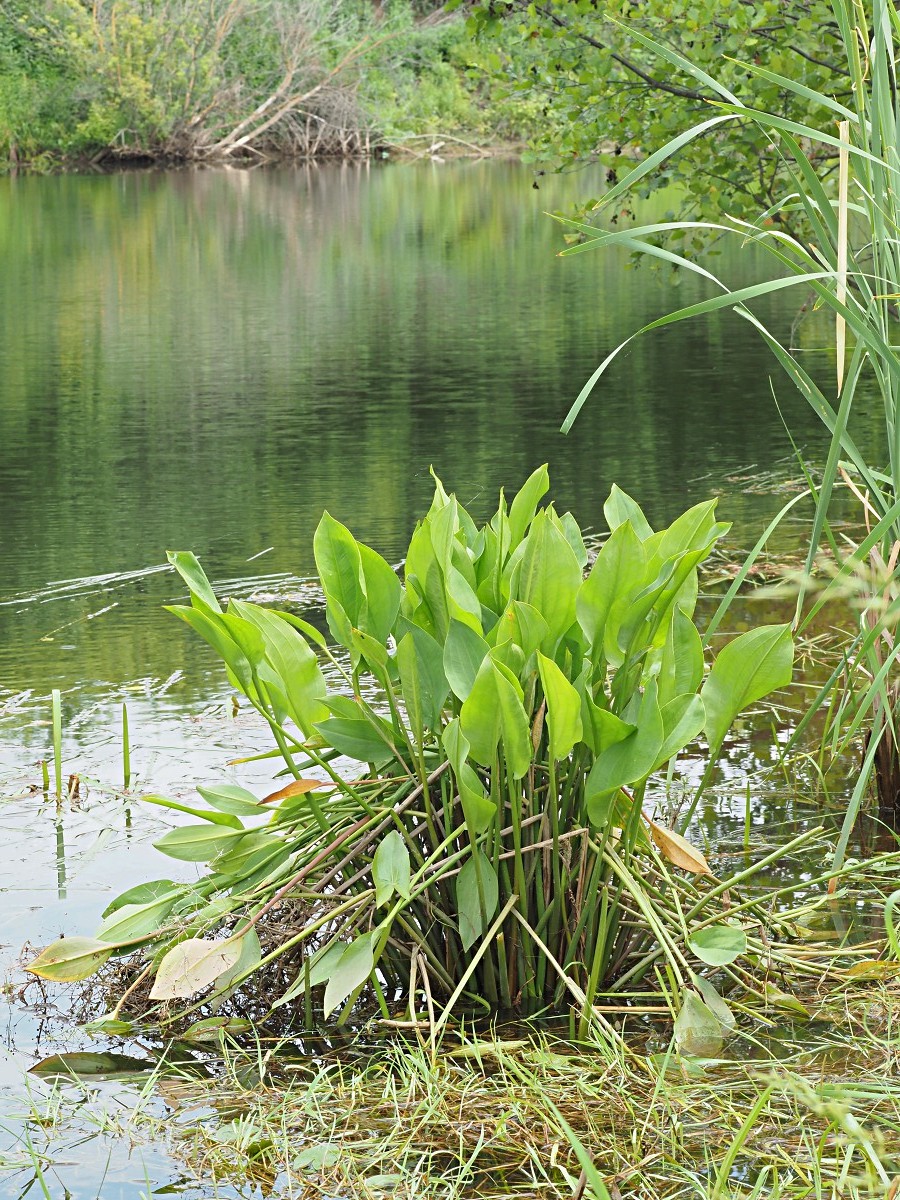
{"x": 206, "y": 360}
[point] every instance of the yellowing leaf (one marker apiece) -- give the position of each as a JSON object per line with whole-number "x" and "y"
{"x": 873, "y": 969}
{"x": 297, "y": 788}
{"x": 191, "y": 966}
{"x": 71, "y": 959}
{"x": 677, "y": 850}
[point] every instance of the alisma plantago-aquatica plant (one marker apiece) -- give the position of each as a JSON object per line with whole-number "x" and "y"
{"x": 466, "y": 812}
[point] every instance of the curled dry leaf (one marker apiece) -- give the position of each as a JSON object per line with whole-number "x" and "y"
{"x": 297, "y": 788}
{"x": 677, "y": 850}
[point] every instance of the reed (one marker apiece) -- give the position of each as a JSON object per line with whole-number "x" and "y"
{"x": 847, "y": 252}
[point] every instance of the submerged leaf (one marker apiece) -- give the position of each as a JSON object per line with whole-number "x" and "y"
{"x": 718, "y": 945}
{"x": 191, "y": 966}
{"x": 714, "y": 1002}
{"x": 89, "y": 1064}
{"x": 697, "y": 1029}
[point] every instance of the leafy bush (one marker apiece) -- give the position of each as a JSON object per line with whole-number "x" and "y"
{"x": 509, "y": 712}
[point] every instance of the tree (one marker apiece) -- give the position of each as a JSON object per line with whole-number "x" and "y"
{"x": 607, "y": 96}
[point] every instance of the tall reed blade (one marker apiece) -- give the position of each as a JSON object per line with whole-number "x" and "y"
{"x": 840, "y": 332}
{"x": 57, "y": 741}
{"x": 126, "y": 749}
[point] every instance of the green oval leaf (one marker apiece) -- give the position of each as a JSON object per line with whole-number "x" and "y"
{"x": 70, "y": 959}
{"x": 197, "y": 843}
{"x": 390, "y": 868}
{"x": 718, "y": 945}
{"x": 351, "y": 971}
{"x": 748, "y": 668}
{"x": 476, "y": 881}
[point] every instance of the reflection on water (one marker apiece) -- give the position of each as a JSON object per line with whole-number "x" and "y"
{"x": 207, "y": 359}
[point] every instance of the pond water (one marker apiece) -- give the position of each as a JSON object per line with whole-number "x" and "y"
{"x": 206, "y": 360}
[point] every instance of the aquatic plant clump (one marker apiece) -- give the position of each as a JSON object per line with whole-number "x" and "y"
{"x": 465, "y": 818}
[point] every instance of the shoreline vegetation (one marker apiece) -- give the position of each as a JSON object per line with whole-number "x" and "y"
{"x": 120, "y": 83}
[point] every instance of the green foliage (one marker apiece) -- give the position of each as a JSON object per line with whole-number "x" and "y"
{"x": 491, "y": 834}
{"x": 604, "y": 93}
{"x": 845, "y": 253}
{"x": 189, "y": 79}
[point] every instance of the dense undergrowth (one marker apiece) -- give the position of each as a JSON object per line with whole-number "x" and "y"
{"x": 230, "y": 79}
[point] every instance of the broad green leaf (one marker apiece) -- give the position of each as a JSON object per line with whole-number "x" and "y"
{"x": 695, "y": 529}
{"x": 563, "y": 709}
{"x": 324, "y": 962}
{"x": 521, "y": 624}
{"x": 187, "y": 566}
{"x": 222, "y": 819}
{"x": 143, "y": 893}
{"x": 524, "y": 504}
{"x": 70, "y": 959}
{"x": 351, "y": 971}
{"x": 746, "y": 669}
{"x": 619, "y": 508}
{"x": 197, "y": 843}
{"x": 134, "y": 922}
{"x": 548, "y": 578}
{"x": 632, "y": 759}
{"x": 245, "y": 635}
{"x": 464, "y": 653}
{"x": 192, "y": 966}
{"x": 697, "y": 1029}
{"x": 681, "y": 669}
{"x": 212, "y": 629}
{"x": 493, "y": 710}
{"x": 231, "y": 798}
{"x": 463, "y": 604}
{"x": 477, "y": 808}
{"x": 683, "y": 719}
{"x": 618, "y": 574}
{"x": 479, "y": 717}
{"x": 357, "y": 739}
{"x": 391, "y": 869}
{"x": 515, "y": 731}
{"x": 572, "y": 531}
{"x": 293, "y": 663}
{"x": 477, "y": 893}
{"x": 382, "y": 593}
{"x": 339, "y": 564}
{"x": 718, "y": 945}
{"x": 422, "y": 679}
